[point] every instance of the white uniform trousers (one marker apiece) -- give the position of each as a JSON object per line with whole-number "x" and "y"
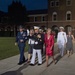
{"x": 62, "y": 50}
{"x": 38, "y": 51}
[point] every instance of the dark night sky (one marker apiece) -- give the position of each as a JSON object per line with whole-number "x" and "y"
{"x": 30, "y": 4}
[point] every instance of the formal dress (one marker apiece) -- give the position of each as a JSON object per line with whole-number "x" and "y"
{"x": 49, "y": 42}
{"x": 31, "y": 43}
{"x": 69, "y": 44}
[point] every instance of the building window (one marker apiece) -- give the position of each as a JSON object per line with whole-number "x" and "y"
{"x": 43, "y": 18}
{"x": 69, "y": 29}
{"x": 68, "y": 2}
{"x": 68, "y": 15}
{"x": 35, "y": 19}
{"x": 54, "y": 16}
{"x": 57, "y": 3}
{"x": 52, "y": 3}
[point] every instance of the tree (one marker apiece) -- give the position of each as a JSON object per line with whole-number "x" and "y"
{"x": 17, "y": 13}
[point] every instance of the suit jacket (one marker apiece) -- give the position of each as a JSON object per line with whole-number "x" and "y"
{"x": 38, "y": 42}
{"x": 21, "y": 36}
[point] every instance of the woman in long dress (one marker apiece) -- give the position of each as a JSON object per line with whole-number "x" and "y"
{"x": 69, "y": 44}
{"x": 49, "y": 43}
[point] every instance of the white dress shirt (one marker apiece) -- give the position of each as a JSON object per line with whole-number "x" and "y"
{"x": 30, "y": 41}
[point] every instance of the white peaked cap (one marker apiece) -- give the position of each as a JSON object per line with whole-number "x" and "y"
{"x": 36, "y": 27}
{"x": 61, "y": 27}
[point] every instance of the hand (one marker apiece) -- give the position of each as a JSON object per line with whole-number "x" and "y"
{"x": 21, "y": 40}
{"x": 51, "y": 48}
{"x": 36, "y": 42}
{"x": 39, "y": 36}
{"x": 15, "y": 44}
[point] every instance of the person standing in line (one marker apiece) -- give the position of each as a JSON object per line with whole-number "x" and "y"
{"x": 49, "y": 43}
{"x": 37, "y": 48}
{"x": 27, "y": 32}
{"x": 31, "y": 43}
{"x": 69, "y": 45}
{"x": 21, "y": 40}
{"x": 61, "y": 41}
{"x": 43, "y": 37}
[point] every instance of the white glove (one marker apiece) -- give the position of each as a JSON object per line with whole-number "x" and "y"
{"x": 15, "y": 44}
{"x": 36, "y": 42}
{"x": 21, "y": 40}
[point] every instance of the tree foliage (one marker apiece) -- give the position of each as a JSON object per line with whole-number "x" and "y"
{"x": 17, "y": 13}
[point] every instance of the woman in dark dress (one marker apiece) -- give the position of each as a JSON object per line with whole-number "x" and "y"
{"x": 31, "y": 43}
{"x": 69, "y": 44}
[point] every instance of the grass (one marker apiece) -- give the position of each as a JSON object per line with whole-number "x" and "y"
{"x": 8, "y": 48}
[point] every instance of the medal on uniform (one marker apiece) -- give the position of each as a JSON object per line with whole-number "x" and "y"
{"x": 24, "y": 35}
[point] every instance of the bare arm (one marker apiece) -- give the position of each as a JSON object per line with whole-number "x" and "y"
{"x": 72, "y": 37}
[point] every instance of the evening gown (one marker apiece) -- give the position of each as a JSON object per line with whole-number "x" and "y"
{"x": 48, "y": 43}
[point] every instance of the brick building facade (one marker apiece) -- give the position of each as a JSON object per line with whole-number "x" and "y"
{"x": 37, "y": 18}
{"x": 59, "y": 13}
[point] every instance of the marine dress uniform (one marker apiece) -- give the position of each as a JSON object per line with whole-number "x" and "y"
{"x": 37, "y": 50}
{"x": 21, "y": 40}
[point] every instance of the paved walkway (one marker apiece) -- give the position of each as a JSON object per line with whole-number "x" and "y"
{"x": 64, "y": 66}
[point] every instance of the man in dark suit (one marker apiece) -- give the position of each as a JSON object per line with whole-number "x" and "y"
{"x": 21, "y": 40}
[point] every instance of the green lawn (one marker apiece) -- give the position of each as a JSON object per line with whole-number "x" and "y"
{"x": 7, "y": 47}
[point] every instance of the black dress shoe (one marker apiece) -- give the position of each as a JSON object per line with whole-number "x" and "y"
{"x": 39, "y": 64}
{"x": 31, "y": 64}
{"x": 23, "y": 61}
{"x": 20, "y": 63}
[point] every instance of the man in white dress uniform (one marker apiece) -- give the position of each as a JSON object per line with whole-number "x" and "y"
{"x": 61, "y": 40}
